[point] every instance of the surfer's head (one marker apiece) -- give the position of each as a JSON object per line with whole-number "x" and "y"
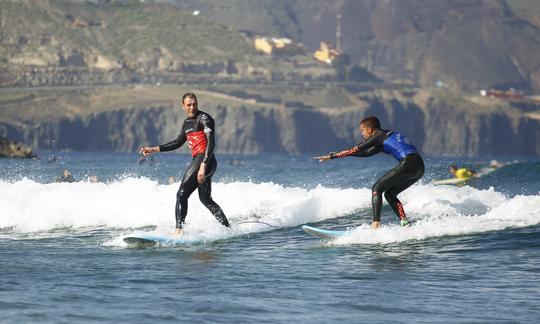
{"x": 190, "y": 104}
{"x": 369, "y": 125}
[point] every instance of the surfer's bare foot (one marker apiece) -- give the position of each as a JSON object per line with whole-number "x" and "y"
{"x": 375, "y": 224}
{"x": 177, "y": 232}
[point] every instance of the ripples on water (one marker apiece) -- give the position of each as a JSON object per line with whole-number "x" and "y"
{"x": 471, "y": 256}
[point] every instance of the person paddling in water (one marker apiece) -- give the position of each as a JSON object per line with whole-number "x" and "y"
{"x": 462, "y": 173}
{"x": 198, "y": 130}
{"x": 409, "y": 170}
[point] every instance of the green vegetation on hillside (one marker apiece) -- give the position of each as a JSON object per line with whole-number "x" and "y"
{"x": 123, "y": 32}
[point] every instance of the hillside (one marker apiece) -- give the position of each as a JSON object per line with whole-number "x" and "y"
{"x": 462, "y": 45}
{"x": 467, "y": 45}
{"x": 51, "y": 43}
{"x": 61, "y": 33}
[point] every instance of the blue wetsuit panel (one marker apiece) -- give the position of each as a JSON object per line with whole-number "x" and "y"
{"x": 399, "y": 146}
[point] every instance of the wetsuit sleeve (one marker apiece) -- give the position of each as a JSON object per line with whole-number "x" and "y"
{"x": 208, "y": 125}
{"x": 368, "y": 152}
{"x": 369, "y": 147}
{"x": 174, "y": 144}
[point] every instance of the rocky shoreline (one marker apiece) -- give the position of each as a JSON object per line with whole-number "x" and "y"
{"x": 11, "y": 149}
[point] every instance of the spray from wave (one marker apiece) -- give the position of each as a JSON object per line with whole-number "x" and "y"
{"x": 128, "y": 205}
{"x": 440, "y": 211}
{"x": 28, "y": 206}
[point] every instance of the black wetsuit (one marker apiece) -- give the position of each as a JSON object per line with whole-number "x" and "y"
{"x": 199, "y": 132}
{"x": 409, "y": 170}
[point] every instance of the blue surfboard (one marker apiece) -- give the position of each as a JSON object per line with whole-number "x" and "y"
{"x": 323, "y": 233}
{"x": 150, "y": 240}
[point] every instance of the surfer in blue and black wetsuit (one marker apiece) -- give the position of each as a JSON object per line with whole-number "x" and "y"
{"x": 409, "y": 170}
{"x": 198, "y": 130}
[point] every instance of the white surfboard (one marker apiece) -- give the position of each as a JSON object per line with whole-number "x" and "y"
{"x": 458, "y": 182}
{"x": 452, "y": 181}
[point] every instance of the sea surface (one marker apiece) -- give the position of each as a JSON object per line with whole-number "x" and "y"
{"x": 471, "y": 256}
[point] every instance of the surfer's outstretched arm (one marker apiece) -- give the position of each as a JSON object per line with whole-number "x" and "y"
{"x": 350, "y": 152}
{"x": 172, "y": 145}
{"x": 371, "y": 146}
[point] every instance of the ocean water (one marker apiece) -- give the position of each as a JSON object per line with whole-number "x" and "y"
{"x": 471, "y": 255}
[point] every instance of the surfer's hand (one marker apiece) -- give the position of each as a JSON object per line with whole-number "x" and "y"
{"x": 201, "y": 175}
{"x": 322, "y": 158}
{"x": 147, "y": 150}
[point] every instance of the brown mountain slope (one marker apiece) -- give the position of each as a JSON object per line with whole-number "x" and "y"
{"x": 466, "y": 44}
{"x": 111, "y": 36}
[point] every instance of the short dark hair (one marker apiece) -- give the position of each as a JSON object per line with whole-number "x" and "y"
{"x": 189, "y": 95}
{"x": 371, "y": 122}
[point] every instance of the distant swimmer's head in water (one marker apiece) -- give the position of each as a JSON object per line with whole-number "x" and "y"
{"x": 190, "y": 104}
{"x": 369, "y": 125}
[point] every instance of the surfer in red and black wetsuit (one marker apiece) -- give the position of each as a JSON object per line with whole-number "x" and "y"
{"x": 198, "y": 130}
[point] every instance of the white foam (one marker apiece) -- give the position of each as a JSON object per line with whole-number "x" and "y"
{"x": 445, "y": 210}
{"x": 133, "y": 203}
{"x": 28, "y": 206}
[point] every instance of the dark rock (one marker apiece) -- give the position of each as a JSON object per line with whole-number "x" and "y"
{"x": 11, "y": 149}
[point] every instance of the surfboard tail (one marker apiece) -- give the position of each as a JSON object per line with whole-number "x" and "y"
{"x": 323, "y": 233}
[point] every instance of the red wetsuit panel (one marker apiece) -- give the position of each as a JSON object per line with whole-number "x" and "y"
{"x": 192, "y": 131}
{"x": 197, "y": 142}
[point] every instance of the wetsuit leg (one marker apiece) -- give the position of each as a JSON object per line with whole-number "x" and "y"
{"x": 187, "y": 186}
{"x": 393, "y": 201}
{"x": 205, "y": 194}
{"x": 396, "y": 180}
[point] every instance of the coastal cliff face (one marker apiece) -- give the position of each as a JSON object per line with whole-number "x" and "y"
{"x": 438, "y": 125}
{"x": 11, "y": 149}
{"x": 473, "y": 130}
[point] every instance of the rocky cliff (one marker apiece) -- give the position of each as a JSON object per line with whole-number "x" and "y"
{"x": 11, "y": 149}
{"x": 439, "y": 123}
